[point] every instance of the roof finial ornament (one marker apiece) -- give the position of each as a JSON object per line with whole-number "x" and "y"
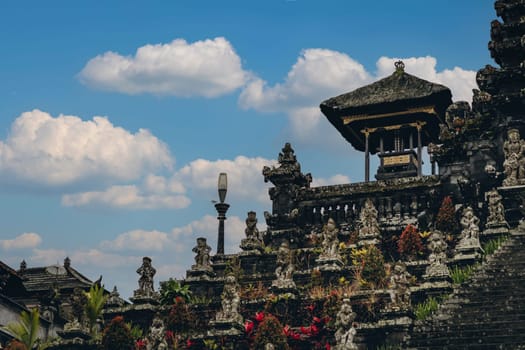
{"x": 400, "y": 66}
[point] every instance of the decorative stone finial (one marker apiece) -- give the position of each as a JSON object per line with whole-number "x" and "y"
{"x": 67, "y": 262}
{"x": 400, "y": 66}
{"x": 23, "y": 266}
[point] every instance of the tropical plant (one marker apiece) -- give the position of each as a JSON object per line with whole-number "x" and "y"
{"x": 95, "y": 301}
{"x": 135, "y": 330}
{"x": 180, "y": 319}
{"x": 426, "y": 308}
{"x": 409, "y": 244}
{"x": 370, "y": 266}
{"x": 117, "y": 335}
{"x": 460, "y": 275}
{"x": 491, "y": 246}
{"x": 171, "y": 289}
{"x": 25, "y": 330}
{"x": 446, "y": 218}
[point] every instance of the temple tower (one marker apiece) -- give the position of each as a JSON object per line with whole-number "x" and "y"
{"x": 394, "y": 117}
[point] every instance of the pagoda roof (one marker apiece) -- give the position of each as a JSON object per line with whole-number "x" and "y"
{"x": 399, "y": 99}
{"x": 42, "y": 278}
{"x": 400, "y": 87}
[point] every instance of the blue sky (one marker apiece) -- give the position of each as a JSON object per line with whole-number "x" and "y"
{"x": 214, "y": 86}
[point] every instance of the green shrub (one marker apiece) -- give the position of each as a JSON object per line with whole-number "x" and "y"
{"x": 460, "y": 275}
{"x": 117, "y": 335}
{"x": 426, "y": 308}
{"x": 491, "y": 246}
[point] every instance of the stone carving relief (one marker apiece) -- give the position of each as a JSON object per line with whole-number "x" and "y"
{"x": 345, "y": 330}
{"x": 156, "y": 339}
{"x": 514, "y": 164}
{"x": 285, "y": 268}
{"x": 438, "y": 257}
{"x": 400, "y": 287}
{"x": 230, "y": 301}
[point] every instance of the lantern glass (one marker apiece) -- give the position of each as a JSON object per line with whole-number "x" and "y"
{"x": 223, "y": 186}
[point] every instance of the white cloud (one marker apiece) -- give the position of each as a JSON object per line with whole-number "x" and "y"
{"x": 96, "y": 257}
{"x": 245, "y": 181}
{"x": 65, "y": 150}
{"x": 319, "y": 74}
{"x": 206, "y": 68}
{"x": 48, "y": 256}
{"x": 245, "y": 178}
{"x": 127, "y": 197}
{"x": 333, "y": 180}
{"x": 22, "y": 241}
{"x": 139, "y": 240}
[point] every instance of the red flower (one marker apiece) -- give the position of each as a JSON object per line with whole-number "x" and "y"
{"x": 259, "y": 316}
{"x": 286, "y": 330}
{"x": 310, "y": 307}
{"x": 326, "y": 319}
{"x": 189, "y": 343}
{"x": 317, "y": 319}
{"x": 305, "y": 330}
{"x": 248, "y": 326}
{"x": 314, "y": 329}
{"x": 327, "y": 346}
{"x": 295, "y": 336}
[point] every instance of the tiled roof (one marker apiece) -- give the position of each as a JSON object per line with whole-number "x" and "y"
{"x": 42, "y": 278}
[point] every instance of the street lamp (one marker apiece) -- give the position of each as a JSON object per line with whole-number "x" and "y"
{"x": 221, "y": 208}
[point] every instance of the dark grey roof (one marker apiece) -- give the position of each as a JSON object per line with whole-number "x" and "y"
{"x": 40, "y": 279}
{"x": 399, "y": 86}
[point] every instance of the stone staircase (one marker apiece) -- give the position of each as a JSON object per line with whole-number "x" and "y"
{"x": 486, "y": 312}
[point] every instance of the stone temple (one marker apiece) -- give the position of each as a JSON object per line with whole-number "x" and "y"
{"x": 403, "y": 260}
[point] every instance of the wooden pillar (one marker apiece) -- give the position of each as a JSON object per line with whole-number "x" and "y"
{"x": 367, "y": 157}
{"x": 419, "y": 153}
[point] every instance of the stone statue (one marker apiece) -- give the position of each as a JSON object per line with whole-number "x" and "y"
{"x": 251, "y": 225}
{"x": 230, "y": 301}
{"x": 470, "y": 224}
{"x": 496, "y": 210}
{"x": 146, "y": 272}
{"x": 202, "y": 259}
{"x": 156, "y": 336}
{"x": 285, "y": 268}
{"x": 514, "y": 164}
{"x": 400, "y": 286}
{"x": 438, "y": 257}
{"x": 78, "y": 302}
{"x": 345, "y": 330}
{"x": 369, "y": 226}
{"x": 330, "y": 240}
{"x": 252, "y": 242}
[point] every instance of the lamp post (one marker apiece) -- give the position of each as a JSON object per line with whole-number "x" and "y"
{"x": 221, "y": 208}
